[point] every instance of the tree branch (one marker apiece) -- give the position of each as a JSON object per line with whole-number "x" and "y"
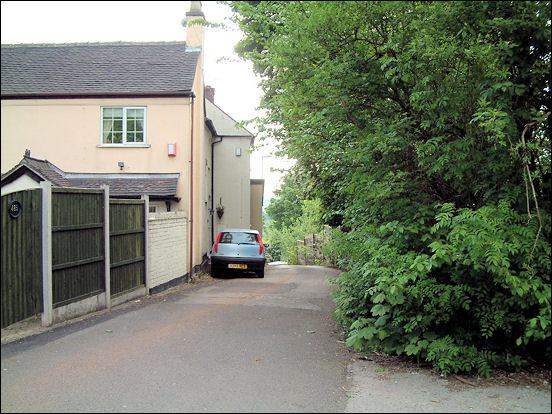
{"x": 528, "y": 170}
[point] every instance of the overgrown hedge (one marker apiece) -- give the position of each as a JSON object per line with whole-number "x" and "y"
{"x": 470, "y": 303}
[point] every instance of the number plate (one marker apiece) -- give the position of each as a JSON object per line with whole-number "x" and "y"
{"x": 237, "y": 266}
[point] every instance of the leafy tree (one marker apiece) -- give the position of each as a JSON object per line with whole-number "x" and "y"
{"x": 424, "y": 129}
{"x": 283, "y": 241}
{"x": 285, "y": 208}
{"x": 290, "y": 216}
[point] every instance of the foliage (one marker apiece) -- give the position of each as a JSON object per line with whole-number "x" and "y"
{"x": 286, "y": 208}
{"x": 283, "y": 240}
{"x": 466, "y": 294}
{"x": 423, "y": 128}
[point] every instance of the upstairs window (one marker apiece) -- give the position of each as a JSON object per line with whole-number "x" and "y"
{"x": 123, "y": 125}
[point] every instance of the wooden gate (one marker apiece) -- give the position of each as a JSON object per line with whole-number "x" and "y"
{"x": 21, "y": 255}
{"x": 127, "y": 245}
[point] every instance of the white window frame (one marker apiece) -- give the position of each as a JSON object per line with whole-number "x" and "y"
{"x": 124, "y": 143}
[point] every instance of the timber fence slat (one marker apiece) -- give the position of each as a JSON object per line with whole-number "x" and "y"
{"x": 78, "y": 263}
{"x": 78, "y": 227}
{"x": 21, "y": 294}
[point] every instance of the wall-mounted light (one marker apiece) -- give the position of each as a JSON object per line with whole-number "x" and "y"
{"x": 238, "y": 151}
{"x": 121, "y": 165}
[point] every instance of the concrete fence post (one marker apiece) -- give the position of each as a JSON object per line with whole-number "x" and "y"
{"x": 47, "y": 295}
{"x": 145, "y": 197}
{"x": 107, "y": 258}
{"x": 301, "y": 252}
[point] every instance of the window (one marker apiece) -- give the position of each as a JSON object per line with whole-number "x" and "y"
{"x": 238, "y": 238}
{"x": 123, "y": 125}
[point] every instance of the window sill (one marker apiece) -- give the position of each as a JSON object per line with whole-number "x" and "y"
{"x": 123, "y": 146}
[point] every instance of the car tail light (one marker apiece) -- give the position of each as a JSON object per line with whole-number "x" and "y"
{"x": 260, "y": 243}
{"x": 217, "y": 242}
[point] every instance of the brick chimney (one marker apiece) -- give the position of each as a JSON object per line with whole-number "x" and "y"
{"x": 194, "y": 33}
{"x": 210, "y": 93}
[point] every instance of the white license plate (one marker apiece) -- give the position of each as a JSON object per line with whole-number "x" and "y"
{"x": 237, "y": 266}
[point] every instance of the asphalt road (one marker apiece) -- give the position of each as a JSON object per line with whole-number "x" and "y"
{"x": 235, "y": 345}
{"x": 238, "y": 345}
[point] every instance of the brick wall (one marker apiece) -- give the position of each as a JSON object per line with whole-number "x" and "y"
{"x": 167, "y": 247}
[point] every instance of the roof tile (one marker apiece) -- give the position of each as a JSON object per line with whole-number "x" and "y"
{"x": 97, "y": 69}
{"x": 120, "y": 184}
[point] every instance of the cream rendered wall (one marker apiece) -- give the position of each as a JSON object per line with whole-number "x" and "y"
{"x": 67, "y": 132}
{"x": 206, "y": 194}
{"x": 257, "y": 191}
{"x": 202, "y": 167}
{"x": 235, "y": 194}
{"x": 160, "y": 206}
{"x": 195, "y": 35}
{"x": 22, "y": 183}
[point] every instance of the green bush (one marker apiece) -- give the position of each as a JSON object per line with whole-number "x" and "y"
{"x": 471, "y": 303}
{"x": 283, "y": 241}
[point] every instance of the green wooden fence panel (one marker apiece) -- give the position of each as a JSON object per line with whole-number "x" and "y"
{"x": 126, "y": 245}
{"x": 77, "y": 244}
{"x": 21, "y": 285}
{"x": 77, "y": 249}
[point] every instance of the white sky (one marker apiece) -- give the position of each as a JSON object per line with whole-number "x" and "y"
{"x": 107, "y": 21}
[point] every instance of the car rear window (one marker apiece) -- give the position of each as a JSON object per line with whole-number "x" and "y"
{"x": 234, "y": 237}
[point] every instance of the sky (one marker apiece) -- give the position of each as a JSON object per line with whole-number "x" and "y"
{"x": 138, "y": 21}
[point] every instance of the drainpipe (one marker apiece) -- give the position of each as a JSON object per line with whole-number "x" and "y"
{"x": 213, "y": 189}
{"x": 191, "y": 263}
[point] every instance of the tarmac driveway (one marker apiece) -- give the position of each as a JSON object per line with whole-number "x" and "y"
{"x": 234, "y": 345}
{"x": 237, "y": 345}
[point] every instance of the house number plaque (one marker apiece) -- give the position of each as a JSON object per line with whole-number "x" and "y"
{"x": 14, "y": 209}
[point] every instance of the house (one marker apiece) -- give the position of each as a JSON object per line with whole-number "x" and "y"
{"x": 133, "y": 116}
{"x": 231, "y": 158}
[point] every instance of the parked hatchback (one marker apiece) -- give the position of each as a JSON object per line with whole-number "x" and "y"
{"x": 238, "y": 250}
